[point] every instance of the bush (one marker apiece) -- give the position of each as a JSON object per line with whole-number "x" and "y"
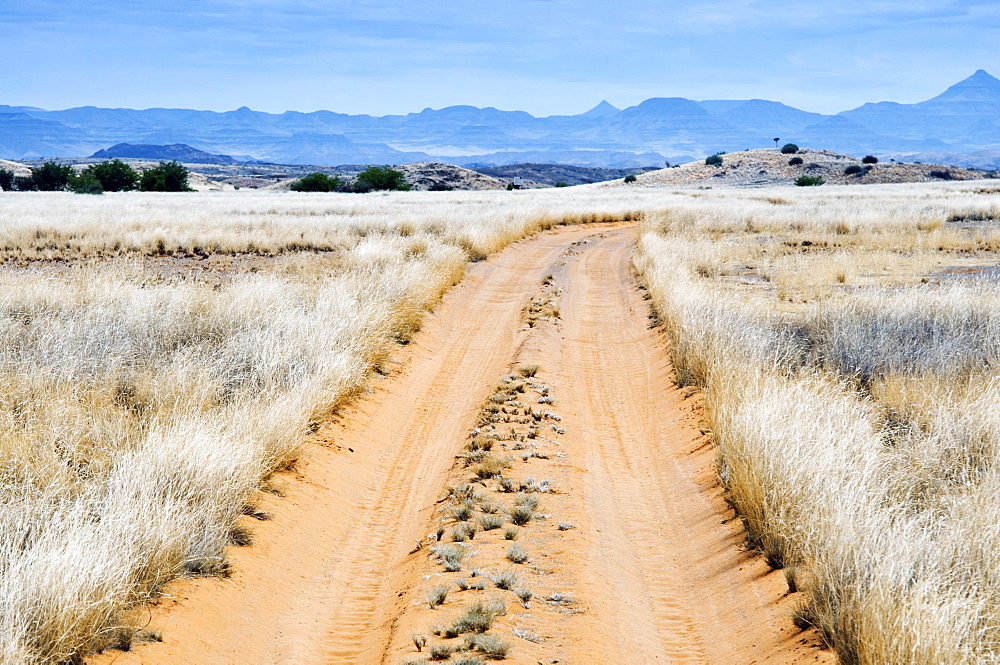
{"x": 714, "y": 160}
{"x": 794, "y": 161}
{"x": 86, "y": 183}
{"x": 941, "y": 175}
{"x": 809, "y": 181}
{"x": 630, "y": 178}
{"x": 853, "y": 169}
{"x": 562, "y": 183}
{"x": 51, "y": 177}
{"x": 6, "y": 180}
{"x": 317, "y": 182}
{"x": 167, "y": 177}
{"x": 114, "y": 176}
{"x": 383, "y": 178}
{"x": 789, "y": 149}
{"x": 869, "y": 159}
{"x": 24, "y": 183}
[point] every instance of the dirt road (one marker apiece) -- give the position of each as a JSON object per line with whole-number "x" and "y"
{"x": 653, "y": 560}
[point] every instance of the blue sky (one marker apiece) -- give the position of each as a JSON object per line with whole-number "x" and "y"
{"x": 541, "y": 56}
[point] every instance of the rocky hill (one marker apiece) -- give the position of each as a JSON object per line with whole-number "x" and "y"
{"x": 763, "y": 168}
{"x": 177, "y": 152}
{"x": 435, "y": 176}
{"x": 550, "y": 174}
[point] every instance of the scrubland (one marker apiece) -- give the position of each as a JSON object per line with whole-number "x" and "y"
{"x": 847, "y": 341}
{"x": 161, "y": 356}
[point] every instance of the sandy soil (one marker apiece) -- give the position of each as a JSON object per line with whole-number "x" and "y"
{"x": 654, "y": 563}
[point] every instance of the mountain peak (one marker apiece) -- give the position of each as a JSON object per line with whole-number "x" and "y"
{"x": 980, "y": 87}
{"x": 602, "y": 110}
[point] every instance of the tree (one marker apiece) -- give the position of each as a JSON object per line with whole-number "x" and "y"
{"x": 114, "y": 176}
{"x": 316, "y": 182}
{"x": 51, "y": 177}
{"x": 24, "y": 183}
{"x": 167, "y": 177}
{"x": 86, "y": 183}
{"x": 789, "y": 149}
{"x": 6, "y": 180}
{"x": 714, "y": 160}
{"x": 381, "y": 178}
{"x": 630, "y": 178}
{"x": 870, "y": 159}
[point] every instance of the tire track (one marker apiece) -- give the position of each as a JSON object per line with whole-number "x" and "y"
{"x": 330, "y": 578}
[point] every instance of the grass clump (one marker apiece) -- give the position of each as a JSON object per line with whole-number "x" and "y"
{"x": 437, "y": 595}
{"x": 516, "y": 554}
{"x": 511, "y": 533}
{"x": 490, "y": 522}
{"x": 506, "y": 580}
{"x": 493, "y": 647}
{"x": 440, "y": 651}
{"x": 479, "y": 617}
{"x": 464, "y": 531}
{"x": 521, "y": 515}
{"x": 528, "y": 371}
{"x": 450, "y": 556}
{"x": 490, "y": 466}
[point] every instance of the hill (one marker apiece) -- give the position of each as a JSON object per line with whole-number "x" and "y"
{"x": 550, "y": 174}
{"x": 762, "y": 168}
{"x": 177, "y": 152}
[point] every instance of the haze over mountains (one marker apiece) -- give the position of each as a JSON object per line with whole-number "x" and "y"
{"x": 960, "y": 126}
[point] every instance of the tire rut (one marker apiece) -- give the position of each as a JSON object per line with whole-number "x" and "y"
{"x": 657, "y": 578}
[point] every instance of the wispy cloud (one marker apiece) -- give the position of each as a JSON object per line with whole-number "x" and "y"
{"x": 547, "y": 56}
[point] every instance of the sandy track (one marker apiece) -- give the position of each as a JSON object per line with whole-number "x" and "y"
{"x": 655, "y": 558}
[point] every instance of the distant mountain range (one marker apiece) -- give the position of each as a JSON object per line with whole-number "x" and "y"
{"x": 962, "y": 121}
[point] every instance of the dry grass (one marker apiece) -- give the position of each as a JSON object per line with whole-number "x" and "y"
{"x": 163, "y": 355}
{"x": 849, "y": 375}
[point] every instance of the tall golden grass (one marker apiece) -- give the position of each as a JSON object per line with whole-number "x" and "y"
{"x": 850, "y": 377}
{"x": 162, "y": 355}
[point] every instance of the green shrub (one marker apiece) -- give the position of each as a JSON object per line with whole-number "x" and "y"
{"x": 51, "y": 177}
{"x": 630, "y": 178}
{"x": 809, "y": 181}
{"x": 24, "y": 183}
{"x": 853, "y": 169}
{"x": 714, "y": 160}
{"x": 941, "y": 175}
{"x": 383, "y": 178}
{"x": 316, "y": 182}
{"x": 562, "y": 183}
{"x": 789, "y": 149}
{"x": 167, "y": 177}
{"x": 114, "y": 176}
{"x": 6, "y": 180}
{"x": 86, "y": 183}
{"x": 869, "y": 159}
{"x": 794, "y": 161}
